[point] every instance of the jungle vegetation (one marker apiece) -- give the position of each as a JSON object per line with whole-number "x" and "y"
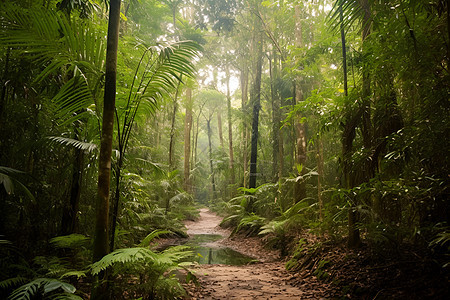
{"x": 119, "y": 118}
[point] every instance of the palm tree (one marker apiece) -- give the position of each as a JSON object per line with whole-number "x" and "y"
{"x": 72, "y": 52}
{"x": 159, "y": 72}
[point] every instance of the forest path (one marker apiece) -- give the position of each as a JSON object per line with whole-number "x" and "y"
{"x": 263, "y": 280}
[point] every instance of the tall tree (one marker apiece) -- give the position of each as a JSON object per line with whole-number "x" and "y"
{"x": 172, "y": 129}
{"x": 104, "y": 171}
{"x": 187, "y": 140}
{"x": 230, "y": 128}
{"x": 245, "y": 130}
{"x": 300, "y": 129}
{"x": 256, "y": 103}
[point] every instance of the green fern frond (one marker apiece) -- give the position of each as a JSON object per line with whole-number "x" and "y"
{"x": 168, "y": 288}
{"x": 12, "y": 282}
{"x": 74, "y": 240}
{"x": 65, "y": 296}
{"x": 273, "y": 227}
{"x": 41, "y": 286}
{"x": 154, "y": 234}
{"x": 124, "y": 256}
{"x": 78, "y": 274}
{"x": 230, "y": 219}
{"x": 253, "y": 222}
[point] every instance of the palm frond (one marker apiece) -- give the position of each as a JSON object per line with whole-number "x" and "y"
{"x": 166, "y": 70}
{"x": 85, "y": 146}
{"x": 50, "y": 38}
{"x": 352, "y": 10}
{"x": 9, "y": 180}
{"x": 155, "y": 167}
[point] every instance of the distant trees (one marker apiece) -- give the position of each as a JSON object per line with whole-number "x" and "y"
{"x": 338, "y": 124}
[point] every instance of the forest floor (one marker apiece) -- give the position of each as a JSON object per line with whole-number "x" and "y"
{"x": 327, "y": 270}
{"x": 266, "y": 279}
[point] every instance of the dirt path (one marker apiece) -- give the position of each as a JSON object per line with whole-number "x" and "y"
{"x": 265, "y": 280}
{"x": 208, "y": 223}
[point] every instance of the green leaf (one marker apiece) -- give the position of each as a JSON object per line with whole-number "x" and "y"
{"x": 299, "y": 168}
{"x": 40, "y": 286}
{"x": 154, "y": 234}
{"x": 70, "y": 241}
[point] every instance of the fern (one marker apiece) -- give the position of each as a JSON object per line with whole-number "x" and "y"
{"x": 154, "y": 234}
{"x": 78, "y": 274}
{"x": 127, "y": 256}
{"x": 43, "y": 287}
{"x": 70, "y": 241}
{"x": 273, "y": 227}
{"x": 252, "y": 223}
{"x": 154, "y": 269}
{"x": 12, "y": 282}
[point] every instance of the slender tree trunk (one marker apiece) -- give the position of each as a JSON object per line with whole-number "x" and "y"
{"x": 187, "y": 141}
{"x": 275, "y": 121}
{"x": 245, "y": 132}
{"x": 230, "y": 131}
{"x": 197, "y": 124}
{"x": 213, "y": 184}
{"x": 366, "y": 122}
{"x": 320, "y": 176}
{"x": 300, "y": 130}
{"x": 219, "y": 126}
{"x": 348, "y": 136}
{"x": 280, "y": 155}
{"x": 102, "y": 208}
{"x": 115, "y": 202}
{"x": 70, "y": 220}
{"x": 172, "y": 130}
{"x": 4, "y": 85}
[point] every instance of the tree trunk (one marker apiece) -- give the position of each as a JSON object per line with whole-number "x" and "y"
{"x": 213, "y": 184}
{"x": 172, "y": 130}
{"x": 99, "y": 290}
{"x": 348, "y": 136}
{"x": 230, "y": 131}
{"x": 219, "y": 126}
{"x": 70, "y": 220}
{"x": 245, "y": 133}
{"x": 320, "y": 176}
{"x": 256, "y": 102}
{"x": 275, "y": 121}
{"x": 115, "y": 202}
{"x": 4, "y": 83}
{"x": 300, "y": 132}
{"x": 187, "y": 141}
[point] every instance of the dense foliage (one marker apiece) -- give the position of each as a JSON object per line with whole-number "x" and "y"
{"x": 269, "y": 122}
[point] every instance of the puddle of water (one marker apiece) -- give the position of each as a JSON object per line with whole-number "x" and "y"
{"x": 206, "y": 252}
